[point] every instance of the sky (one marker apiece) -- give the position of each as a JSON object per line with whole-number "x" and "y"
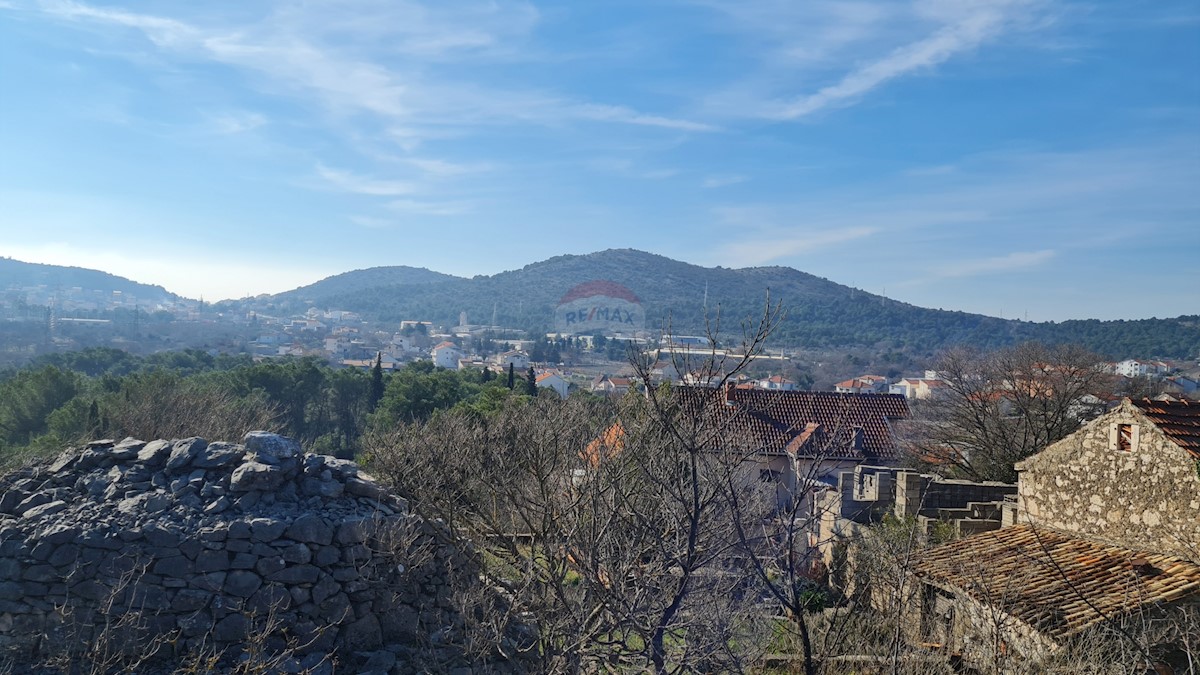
{"x": 1033, "y": 159}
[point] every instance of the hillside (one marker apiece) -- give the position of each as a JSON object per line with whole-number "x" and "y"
{"x": 18, "y": 274}
{"x": 360, "y": 280}
{"x": 820, "y": 313}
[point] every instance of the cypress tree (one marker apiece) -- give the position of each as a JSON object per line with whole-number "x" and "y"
{"x": 531, "y": 383}
{"x": 376, "y": 394}
{"x": 511, "y": 376}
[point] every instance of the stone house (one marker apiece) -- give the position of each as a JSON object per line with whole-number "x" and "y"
{"x": 1107, "y": 528}
{"x": 867, "y": 495}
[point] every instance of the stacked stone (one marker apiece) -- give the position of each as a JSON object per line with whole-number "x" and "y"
{"x": 209, "y": 542}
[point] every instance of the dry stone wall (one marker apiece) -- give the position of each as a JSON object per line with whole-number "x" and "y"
{"x": 199, "y": 545}
{"x": 1143, "y": 498}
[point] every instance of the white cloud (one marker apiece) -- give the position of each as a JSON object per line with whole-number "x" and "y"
{"x": 842, "y": 51}
{"x": 440, "y": 167}
{"x": 1004, "y": 263}
{"x": 723, "y": 181}
{"x": 428, "y": 208}
{"x": 764, "y": 247}
{"x": 975, "y": 24}
{"x": 295, "y": 50}
{"x": 349, "y": 182}
{"x": 616, "y": 113}
{"x": 235, "y": 122}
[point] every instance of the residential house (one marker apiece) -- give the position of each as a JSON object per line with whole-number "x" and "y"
{"x": 919, "y": 388}
{"x": 795, "y": 438}
{"x": 446, "y": 355}
{"x": 1107, "y": 526}
{"x": 777, "y": 383}
{"x": 611, "y": 385}
{"x": 864, "y": 384}
{"x": 1180, "y": 384}
{"x": 404, "y": 343}
{"x": 553, "y": 381}
{"x": 1140, "y": 368}
{"x": 519, "y": 360}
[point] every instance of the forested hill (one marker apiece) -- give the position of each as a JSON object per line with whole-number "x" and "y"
{"x": 820, "y": 313}
{"x": 18, "y": 274}
{"x": 359, "y": 280}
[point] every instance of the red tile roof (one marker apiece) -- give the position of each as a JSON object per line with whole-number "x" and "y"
{"x": 1179, "y": 420}
{"x": 1056, "y": 583}
{"x": 807, "y": 423}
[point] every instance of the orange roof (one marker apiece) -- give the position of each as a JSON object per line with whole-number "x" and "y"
{"x": 546, "y": 376}
{"x": 1055, "y": 583}
{"x": 854, "y": 426}
{"x": 447, "y": 343}
{"x": 608, "y": 444}
{"x": 1179, "y": 420}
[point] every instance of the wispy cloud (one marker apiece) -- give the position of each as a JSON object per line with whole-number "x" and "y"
{"x": 346, "y": 181}
{"x": 853, "y": 48}
{"x": 992, "y": 265}
{"x": 981, "y": 22}
{"x": 723, "y": 181}
{"x": 793, "y": 243}
{"x": 763, "y": 241}
{"x": 616, "y": 113}
{"x": 441, "y": 167}
{"x": 293, "y": 50}
{"x": 428, "y": 208}
{"x": 955, "y": 222}
{"x": 235, "y": 122}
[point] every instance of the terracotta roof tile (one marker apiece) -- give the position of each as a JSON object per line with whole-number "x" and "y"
{"x": 1056, "y": 583}
{"x": 808, "y": 423}
{"x": 1179, "y": 420}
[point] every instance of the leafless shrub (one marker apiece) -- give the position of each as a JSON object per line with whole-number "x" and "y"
{"x": 161, "y": 405}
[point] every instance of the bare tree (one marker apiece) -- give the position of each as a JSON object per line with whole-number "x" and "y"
{"x": 998, "y": 408}
{"x": 608, "y": 522}
{"x": 163, "y": 405}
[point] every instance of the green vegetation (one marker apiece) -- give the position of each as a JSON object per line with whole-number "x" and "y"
{"x": 64, "y": 399}
{"x": 821, "y": 314}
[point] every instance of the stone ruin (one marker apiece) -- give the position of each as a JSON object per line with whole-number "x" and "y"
{"x": 183, "y": 546}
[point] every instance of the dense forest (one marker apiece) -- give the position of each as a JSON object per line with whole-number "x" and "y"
{"x": 65, "y": 399}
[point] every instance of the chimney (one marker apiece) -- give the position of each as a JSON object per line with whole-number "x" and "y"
{"x": 728, "y": 393}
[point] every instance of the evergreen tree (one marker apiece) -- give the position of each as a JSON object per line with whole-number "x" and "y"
{"x": 531, "y": 383}
{"x": 487, "y": 374}
{"x": 93, "y": 422}
{"x": 376, "y": 393}
{"x": 511, "y": 376}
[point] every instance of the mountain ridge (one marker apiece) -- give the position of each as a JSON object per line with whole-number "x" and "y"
{"x": 18, "y": 273}
{"x": 820, "y": 313}
{"x": 675, "y": 295}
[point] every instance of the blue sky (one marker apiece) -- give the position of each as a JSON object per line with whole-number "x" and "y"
{"x": 1019, "y": 158}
